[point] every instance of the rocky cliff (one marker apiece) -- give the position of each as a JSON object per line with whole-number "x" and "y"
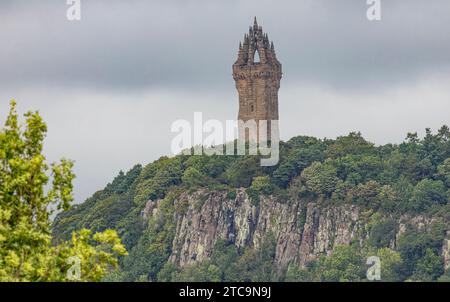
{"x": 303, "y": 230}
{"x": 391, "y": 200}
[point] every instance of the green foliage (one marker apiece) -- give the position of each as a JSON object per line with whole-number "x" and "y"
{"x": 258, "y": 265}
{"x": 444, "y": 172}
{"x": 414, "y": 245}
{"x": 228, "y": 264}
{"x": 262, "y": 184}
{"x": 347, "y": 263}
{"x": 231, "y": 194}
{"x": 111, "y": 208}
{"x": 353, "y": 143}
{"x": 168, "y": 272}
{"x": 320, "y": 179}
{"x": 26, "y": 250}
{"x": 359, "y": 168}
{"x": 365, "y": 194}
{"x": 296, "y": 155}
{"x": 254, "y": 196}
{"x": 429, "y": 267}
{"x": 193, "y": 178}
{"x": 382, "y": 233}
{"x": 225, "y": 256}
{"x": 391, "y": 265}
{"x": 211, "y": 166}
{"x": 204, "y": 272}
{"x": 445, "y": 277}
{"x": 124, "y": 181}
{"x": 391, "y": 181}
{"x": 153, "y": 249}
{"x": 158, "y": 178}
{"x": 428, "y": 193}
{"x": 242, "y": 172}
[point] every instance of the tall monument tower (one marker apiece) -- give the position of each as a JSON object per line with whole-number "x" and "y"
{"x": 257, "y": 74}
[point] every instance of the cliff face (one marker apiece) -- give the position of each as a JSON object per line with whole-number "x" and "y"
{"x": 302, "y": 230}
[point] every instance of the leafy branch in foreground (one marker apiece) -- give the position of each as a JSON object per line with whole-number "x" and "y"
{"x": 26, "y": 250}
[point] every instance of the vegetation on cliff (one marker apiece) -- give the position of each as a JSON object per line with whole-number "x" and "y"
{"x": 387, "y": 181}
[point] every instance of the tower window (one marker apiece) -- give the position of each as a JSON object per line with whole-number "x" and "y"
{"x": 252, "y": 108}
{"x": 257, "y": 59}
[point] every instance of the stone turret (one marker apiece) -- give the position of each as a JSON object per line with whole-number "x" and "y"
{"x": 257, "y": 82}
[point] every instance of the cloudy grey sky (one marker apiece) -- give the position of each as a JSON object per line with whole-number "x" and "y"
{"x": 110, "y": 85}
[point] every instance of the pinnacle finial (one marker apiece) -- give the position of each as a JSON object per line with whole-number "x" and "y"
{"x": 255, "y": 23}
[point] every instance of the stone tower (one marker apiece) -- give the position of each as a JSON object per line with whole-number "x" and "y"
{"x": 257, "y": 74}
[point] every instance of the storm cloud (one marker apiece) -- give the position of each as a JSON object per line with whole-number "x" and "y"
{"x": 143, "y": 44}
{"x": 110, "y": 85}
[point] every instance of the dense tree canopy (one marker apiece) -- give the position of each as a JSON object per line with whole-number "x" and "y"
{"x": 386, "y": 182}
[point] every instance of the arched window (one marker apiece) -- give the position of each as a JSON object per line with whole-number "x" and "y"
{"x": 257, "y": 58}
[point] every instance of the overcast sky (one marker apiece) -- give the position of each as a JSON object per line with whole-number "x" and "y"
{"x": 110, "y": 85}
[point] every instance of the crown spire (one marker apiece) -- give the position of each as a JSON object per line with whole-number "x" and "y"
{"x": 256, "y": 41}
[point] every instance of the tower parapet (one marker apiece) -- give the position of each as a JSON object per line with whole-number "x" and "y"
{"x": 257, "y": 82}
